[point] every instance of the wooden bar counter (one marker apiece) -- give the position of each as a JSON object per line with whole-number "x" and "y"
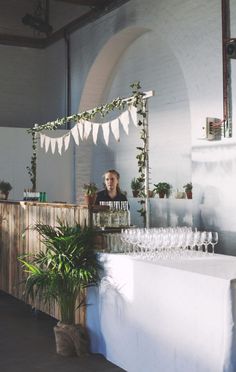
{"x": 16, "y": 239}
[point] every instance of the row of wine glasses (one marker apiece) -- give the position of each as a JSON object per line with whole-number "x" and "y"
{"x": 164, "y": 243}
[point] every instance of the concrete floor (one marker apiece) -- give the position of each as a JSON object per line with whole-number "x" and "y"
{"x": 27, "y": 343}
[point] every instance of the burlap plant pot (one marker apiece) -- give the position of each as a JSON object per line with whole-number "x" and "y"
{"x": 71, "y": 339}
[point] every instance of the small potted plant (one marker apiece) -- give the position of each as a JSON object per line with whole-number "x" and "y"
{"x": 90, "y": 191}
{"x": 136, "y": 186}
{"x": 5, "y": 188}
{"x": 162, "y": 189}
{"x": 188, "y": 190}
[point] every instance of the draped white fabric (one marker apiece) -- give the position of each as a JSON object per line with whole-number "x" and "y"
{"x": 83, "y": 128}
{"x": 168, "y": 316}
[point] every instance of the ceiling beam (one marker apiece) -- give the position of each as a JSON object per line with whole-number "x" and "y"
{"x": 93, "y": 3}
{"x": 22, "y": 41}
{"x": 85, "y": 19}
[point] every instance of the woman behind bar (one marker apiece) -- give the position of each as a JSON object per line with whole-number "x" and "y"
{"x": 112, "y": 190}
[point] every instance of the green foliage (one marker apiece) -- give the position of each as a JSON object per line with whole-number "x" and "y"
{"x": 67, "y": 265}
{"x": 32, "y": 170}
{"x": 90, "y": 188}
{"x": 162, "y": 187}
{"x": 136, "y": 184}
{"x": 188, "y": 187}
{"x": 5, "y": 187}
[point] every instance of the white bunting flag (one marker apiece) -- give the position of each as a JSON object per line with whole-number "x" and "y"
{"x": 125, "y": 125}
{"x": 133, "y": 114}
{"x": 47, "y": 143}
{"x": 75, "y": 134}
{"x": 67, "y": 141}
{"x": 115, "y": 129}
{"x": 87, "y": 128}
{"x": 42, "y": 139}
{"x": 106, "y": 132}
{"x": 80, "y": 125}
{"x": 53, "y": 145}
{"x": 59, "y": 144}
{"x": 95, "y": 132}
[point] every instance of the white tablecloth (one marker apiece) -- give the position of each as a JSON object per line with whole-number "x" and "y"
{"x": 169, "y": 316}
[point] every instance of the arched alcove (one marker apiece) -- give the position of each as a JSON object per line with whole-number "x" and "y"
{"x": 97, "y": 84}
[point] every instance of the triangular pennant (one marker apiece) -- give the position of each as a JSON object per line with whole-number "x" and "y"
{"x": 95, "y": 132}
{"x": 115, "y": 129}
{"x": 87, "y": 128}
{"x": 75, "y": 134}
{"x": 53, "y": 145}
{"x": 133, "y": 114}
{"x": 125, "y": 127}
{"x": 42, "y": 139}
{"x": 47, "y": 143}
{"x": 59, "y": 144}
{"x": 67, "y": 141}
{"x": 80, "y": 125}
{"x": 106, "y": 132}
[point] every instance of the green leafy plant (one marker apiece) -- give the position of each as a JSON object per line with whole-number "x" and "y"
{"x": 188, "y": 187}
{"x": 162, "y": 188}
{"x": 67, "y": 265}
{"x": 136, "y": 186}
{"x": 5, "y": 188}
{"x": 32, "y": 170}
{"x": 90, "y": 188}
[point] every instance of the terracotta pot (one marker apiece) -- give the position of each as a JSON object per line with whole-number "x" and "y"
{"x": 135, "y": 193}
{"x": 189, "y": 194}
{"x": 89, "y": 199}
{"x": 161, "y": 194}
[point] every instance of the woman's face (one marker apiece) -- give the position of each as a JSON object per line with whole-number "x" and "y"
{"x": 111, "y": 181}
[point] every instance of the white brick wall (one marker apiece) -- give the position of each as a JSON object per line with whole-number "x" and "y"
{"x": 179, "y": 57}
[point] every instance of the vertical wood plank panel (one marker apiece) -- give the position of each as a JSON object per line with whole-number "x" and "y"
{"x": 16, "y": 239}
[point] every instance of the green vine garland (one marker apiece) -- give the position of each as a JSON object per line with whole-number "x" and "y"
{"x": 119, "y": 103}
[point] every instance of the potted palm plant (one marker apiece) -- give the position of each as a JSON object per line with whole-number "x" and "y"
{"x": 90, "y": 191}
{"x": 162, "y": 189}
{"x": 5, "y": 188}
{"x": 188, "y": 190}
{"x": 60, "y": 273}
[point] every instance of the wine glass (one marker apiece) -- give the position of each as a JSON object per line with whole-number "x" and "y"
{"x": 214, "y": 240}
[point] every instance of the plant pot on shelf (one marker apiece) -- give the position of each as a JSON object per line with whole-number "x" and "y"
{"x": 135, "y": 193}
{"x": 150, "y": 194}
{"x": 189, "y": 194}
{"x": 4, "y": 196}
{"x": 161, "y": 194}
{"x": 89, "y": 199}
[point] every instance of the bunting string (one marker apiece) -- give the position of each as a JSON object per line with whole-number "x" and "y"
{"x": 82, "y": 129}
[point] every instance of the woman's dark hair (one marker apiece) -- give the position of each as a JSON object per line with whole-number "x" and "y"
{"x": 117, "y": 174}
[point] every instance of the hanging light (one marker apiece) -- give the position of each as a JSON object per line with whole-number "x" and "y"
{"x": 39, "y": 20}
